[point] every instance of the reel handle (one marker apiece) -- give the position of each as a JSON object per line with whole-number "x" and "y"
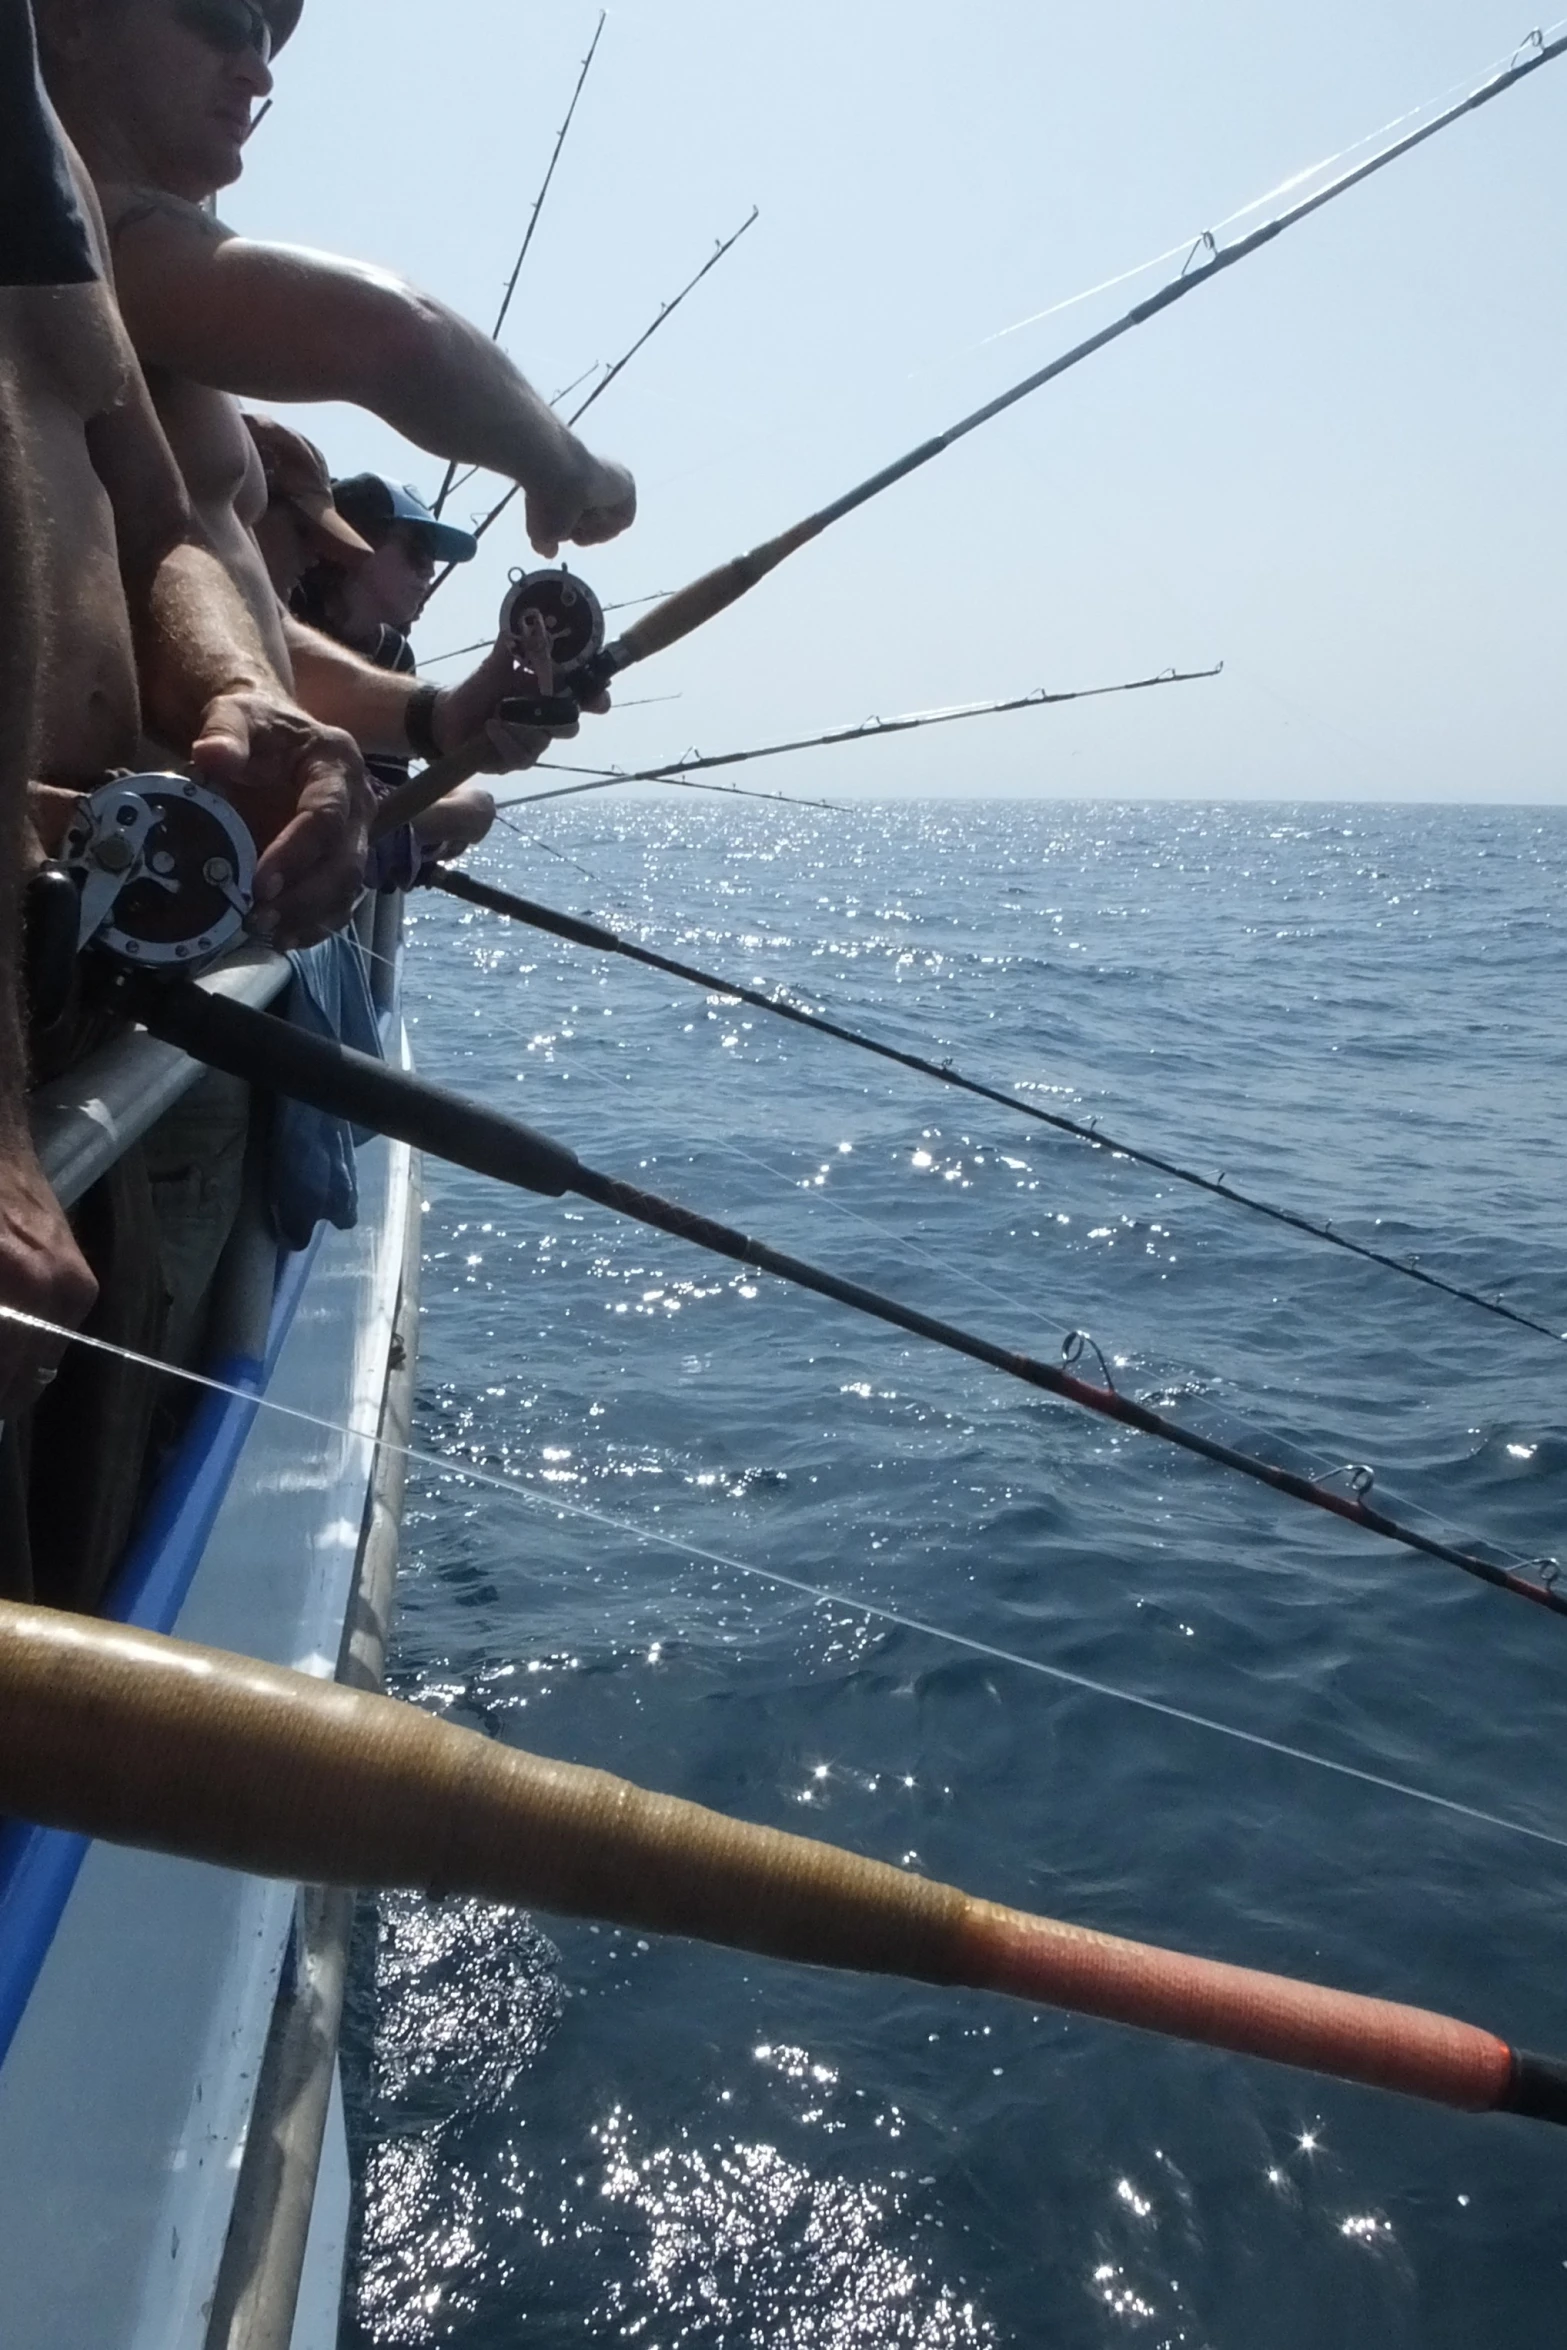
{"x": 51, "y": 911}
{"x": 561, "y": 709}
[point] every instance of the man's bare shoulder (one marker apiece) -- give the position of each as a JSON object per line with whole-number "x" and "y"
{"x": 129, "y": 207}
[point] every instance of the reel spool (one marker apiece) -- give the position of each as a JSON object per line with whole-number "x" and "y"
{"x": 164, "y": 871}
{"x": 572, "y": 615}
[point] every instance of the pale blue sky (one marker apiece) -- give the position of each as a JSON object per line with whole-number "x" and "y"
{"x": 1340, "y": 468}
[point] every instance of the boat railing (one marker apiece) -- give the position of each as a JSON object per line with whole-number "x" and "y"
{"x": 88, "y": 1118}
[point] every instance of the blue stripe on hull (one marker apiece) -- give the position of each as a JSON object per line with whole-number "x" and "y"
{"x": 38, "y": 1866}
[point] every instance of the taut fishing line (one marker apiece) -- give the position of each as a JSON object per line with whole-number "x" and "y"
{"x": 820, "y": 1594}
{"x": 532, "y": 841}
{"x": 1187, "y": 246}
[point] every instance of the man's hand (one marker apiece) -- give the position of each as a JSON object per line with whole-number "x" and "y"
{"x": 458, "y": 822}
{"x": 302, "y": 789}
{"x": 464, "y": 712}
{"x": 42, "y": 1272}
{"x": 593, "y": 500}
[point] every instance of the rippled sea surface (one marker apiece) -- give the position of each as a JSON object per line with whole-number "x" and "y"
{"x": 564, "y": 2133}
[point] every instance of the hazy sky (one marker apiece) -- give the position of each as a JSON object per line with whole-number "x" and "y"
{"x": 1339, "y": 468}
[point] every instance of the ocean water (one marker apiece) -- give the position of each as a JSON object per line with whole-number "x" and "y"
{"x": 563, "y": 2133}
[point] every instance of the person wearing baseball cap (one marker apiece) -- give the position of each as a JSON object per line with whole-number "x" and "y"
{"x": 301, "y": 525}
{"x": 371, "y": 606}
{"x": 377, "y": 507}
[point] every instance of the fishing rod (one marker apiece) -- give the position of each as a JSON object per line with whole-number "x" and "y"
{"x": 109, "y": 1731}
{"x": 695, "y": 763}
{"x": 666, "y": 312}
{"x": 691, "y": 607}
{"x": 411, "y": 799}
{"x": 579, "y": 931}
{"x": 326, "y": 1075}
{"x": 533, "y": 221}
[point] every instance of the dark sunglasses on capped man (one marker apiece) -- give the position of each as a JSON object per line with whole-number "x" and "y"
{"x": 229, "y": 26}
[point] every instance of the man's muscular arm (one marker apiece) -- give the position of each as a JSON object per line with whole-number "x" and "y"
{"x": 372, "y": 704}
{"x": 41, "y": 1269}
{"x": 208, "y": 689}
{"x": 279, "y": 322}
{"x": 210, "y": 692}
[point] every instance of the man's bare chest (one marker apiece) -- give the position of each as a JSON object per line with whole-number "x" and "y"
{"x": 215, "y": 453}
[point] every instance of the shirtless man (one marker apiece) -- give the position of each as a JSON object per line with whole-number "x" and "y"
{"x": 141, "y": 626}
{"x": 42, "y": 241}
{"x": 133, "y": 621}
{"x": 41, "y": 1269}
{"x": 159, "y": 97}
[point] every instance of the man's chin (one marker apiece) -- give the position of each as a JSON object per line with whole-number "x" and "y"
{"x": 199, "y": 172}
{"x": 224, "y": 159}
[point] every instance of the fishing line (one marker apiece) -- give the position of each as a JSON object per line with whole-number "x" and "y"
{"x": 1187, "y": 246}
{"x": 605, "y": 778}
{"x": 1286, "y": 187}
{"x": 534, "y": 842}
{"x": 449, "y": 1466}
{"x": 582, "y": 932}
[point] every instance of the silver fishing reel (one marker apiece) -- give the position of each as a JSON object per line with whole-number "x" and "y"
{"x": 164, "y": 870}
{"x": 572, "y": 615}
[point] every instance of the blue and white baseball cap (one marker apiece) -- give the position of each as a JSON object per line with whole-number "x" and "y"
{"x": 370, "y": 504}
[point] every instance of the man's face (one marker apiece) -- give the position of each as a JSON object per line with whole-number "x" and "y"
{"x": 179, "y": 81}
{"x": 391, "y": 587}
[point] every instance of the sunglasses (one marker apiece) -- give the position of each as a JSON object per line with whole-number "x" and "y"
{"x": 229, "y": 26}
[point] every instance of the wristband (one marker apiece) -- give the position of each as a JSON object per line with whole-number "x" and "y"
{"x": 419, "y": 721}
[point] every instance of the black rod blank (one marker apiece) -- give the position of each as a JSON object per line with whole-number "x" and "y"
{"x": 265, "y": 1050}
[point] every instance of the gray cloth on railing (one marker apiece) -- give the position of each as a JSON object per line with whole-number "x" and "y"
{"x": 311, "y": 1175}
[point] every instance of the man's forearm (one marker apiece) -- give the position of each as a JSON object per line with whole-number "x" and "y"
{"x": 195, "y": 641}
{"x": 340, "y": 689}
{"x": 279, "y": 323}
{"x": 461, "y": 397}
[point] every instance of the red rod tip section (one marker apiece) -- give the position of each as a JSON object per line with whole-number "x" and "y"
{"x": 1373, "y": 2041}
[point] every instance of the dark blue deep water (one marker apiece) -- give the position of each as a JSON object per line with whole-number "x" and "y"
{"x": 565, "y": 2134}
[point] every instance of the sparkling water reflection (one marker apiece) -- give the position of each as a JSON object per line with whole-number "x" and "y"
{"x": 588, "y": 2135}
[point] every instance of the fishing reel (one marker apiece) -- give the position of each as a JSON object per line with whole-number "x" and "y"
{"x": 164, "y": 872}
{"x": 572, "y": 616}
{"x": 573, "y": 619}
